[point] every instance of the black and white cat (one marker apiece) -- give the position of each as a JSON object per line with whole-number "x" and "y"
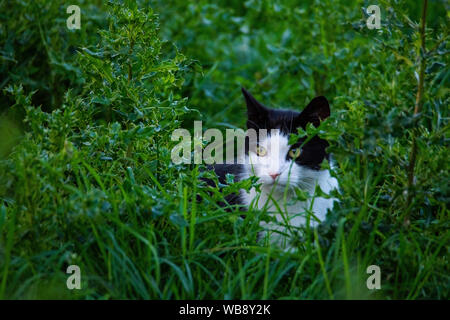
{"x": 282, "y": 167}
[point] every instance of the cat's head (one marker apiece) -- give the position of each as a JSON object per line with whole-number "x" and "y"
{"x": 273, "y": 159}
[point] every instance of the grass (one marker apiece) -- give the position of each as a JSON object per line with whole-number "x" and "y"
{"x": 85, "y": 170}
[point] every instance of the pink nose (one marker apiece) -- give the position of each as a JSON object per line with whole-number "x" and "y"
{"x": 274, "y": 175}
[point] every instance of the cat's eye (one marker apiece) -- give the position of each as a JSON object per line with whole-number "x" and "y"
{"x": 294, "y": 153}
{"x": 261, "y": 151}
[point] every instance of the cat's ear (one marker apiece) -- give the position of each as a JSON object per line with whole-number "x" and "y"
{"x": 256, "y": 112}
{"x": 317, "y": 110}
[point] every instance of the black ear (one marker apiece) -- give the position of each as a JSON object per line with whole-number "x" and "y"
{"x": 317, "y": 110}
{"x": 256, "y": 112}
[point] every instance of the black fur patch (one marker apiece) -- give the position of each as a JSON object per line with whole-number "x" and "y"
{"x": 221, "y": 171}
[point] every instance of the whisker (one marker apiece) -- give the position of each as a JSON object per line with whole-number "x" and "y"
{"x": 253, "y": 122}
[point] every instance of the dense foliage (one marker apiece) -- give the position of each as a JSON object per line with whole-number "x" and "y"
{"x": 86, "y": 176}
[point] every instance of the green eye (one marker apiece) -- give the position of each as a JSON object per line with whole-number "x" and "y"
{"x": 294, "y": 153}
{"x": 261, "y": 151}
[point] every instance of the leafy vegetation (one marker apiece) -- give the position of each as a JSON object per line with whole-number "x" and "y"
{"x": 86, "y": 176}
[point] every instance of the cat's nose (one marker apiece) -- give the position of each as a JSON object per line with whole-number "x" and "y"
{"x": 274, "y": 175}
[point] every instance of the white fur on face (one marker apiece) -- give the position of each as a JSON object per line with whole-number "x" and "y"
{"x": 274, "y": 161}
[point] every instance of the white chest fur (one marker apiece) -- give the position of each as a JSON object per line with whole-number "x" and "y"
{"x": 274, "y": 198}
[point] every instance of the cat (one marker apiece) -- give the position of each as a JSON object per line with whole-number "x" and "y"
{"x": 285, "y": 167}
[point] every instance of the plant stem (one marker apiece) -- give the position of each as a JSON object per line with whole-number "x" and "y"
{"x": 130, "y": 52}
{"x": 417, "y": 109}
